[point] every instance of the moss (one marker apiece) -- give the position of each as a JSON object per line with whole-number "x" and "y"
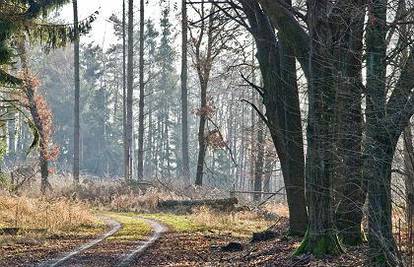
{"x": 320, "y": 245}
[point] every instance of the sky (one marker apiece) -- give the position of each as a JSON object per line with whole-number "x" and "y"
{"x": 102, "y": 32}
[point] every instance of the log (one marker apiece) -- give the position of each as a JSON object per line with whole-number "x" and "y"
{"x": 226, "y": 204}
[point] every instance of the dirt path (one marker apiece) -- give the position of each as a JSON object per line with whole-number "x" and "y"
{"x": 102, "y": 252}
{"x": 158, "y": 229}
{"x": 114, "y": 227}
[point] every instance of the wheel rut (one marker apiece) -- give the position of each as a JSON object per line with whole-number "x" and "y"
{"x": 59, "y": 261}
{"x": 158, "y": 229}
{"x": 111, "y": 252}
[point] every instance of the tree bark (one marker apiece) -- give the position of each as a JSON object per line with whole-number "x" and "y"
{"x": 409, "y": 172}
{"x": 348, "y": 172}
{"x": 30, "y": 93}
{"x": 203, "y": 66}
{"x": 76, "y": 125}
{"x": 124, "y": 94}
{"x": 281, "y": 99}
{"x": 141, "y": 118}
{"x": 258, "y": 176}
{"x": 184, "y": 93}
{"x": 11, "y": 133}
{"x": 202, "y": 145}
{"x": 321, "y": 238}
{"x": 130, "y": 84}
{"x": 380, "y": 144}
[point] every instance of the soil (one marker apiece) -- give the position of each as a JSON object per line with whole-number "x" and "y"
{"x": 175, "y": 249}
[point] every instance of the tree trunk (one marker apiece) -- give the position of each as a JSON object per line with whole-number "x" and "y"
{"x": 202, "y": 145}
{"x": 204, "y": 62}
{"x": 348, "y": 172}
{"x": 30, "y": 92}
{"x": 380, "y": 144}
{"x": 141, "y": 118}
{"x": 409, "y": 178}
{"x": 76, "y": 125}
{"x": 11, "y": 133}
{"x": 281, "y": 99}
{"x": 130, "y": 85}
{"x": 321, "y": 238}
{"x": 124, "y": 94}
{"x": 184, "y": 94}
{"x": 258, "y": 176}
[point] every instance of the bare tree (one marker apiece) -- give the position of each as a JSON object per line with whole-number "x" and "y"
{"x": 141, "y": 119}
{"x": 184, "y": 92}
{"x": 129, "y": 98}
{"x": 76, "y": 126}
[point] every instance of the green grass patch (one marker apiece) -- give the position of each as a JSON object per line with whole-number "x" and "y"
{"x": 132, "y": 228}
{"x": 239, "y": 225}
{"x": 177, "y": 223}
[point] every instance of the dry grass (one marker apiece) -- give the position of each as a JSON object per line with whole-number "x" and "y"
{"x": 280, "y": 209}
{"x": 242, "y": 223}
{"x": 239, "y": 224}
{"x": 53, "y": 215}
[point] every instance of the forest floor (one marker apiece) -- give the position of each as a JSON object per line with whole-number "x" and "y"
{"x": 185, "y": 241}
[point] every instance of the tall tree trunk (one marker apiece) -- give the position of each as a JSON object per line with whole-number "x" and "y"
{"x": 130, "y": 87}
{"x": 11, "y": 133}
{"x": 281, "y": 99}
{"x": 258, "y": 176}
{"x": 380, "y": 144}
{"x": 350, "y": 186}
{"x": 204, "y": 62}
{"x": 76, "y": 125}
{"x": 252, "y": 144}
{"x": 141, "y": 118}
{"x": 268, "y": 167}
{"x": 291, "y": 124}
{"x": 321, "y": 237}
{"x": 124, "y": 94}
{"x": 202, "y": 145}
{"x": 409, "y": 172}
{"x": 30, "y": 92}
{"x": 184, "y": 93}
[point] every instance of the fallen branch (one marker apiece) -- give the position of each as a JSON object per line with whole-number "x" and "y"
{"x": 226, "y": 204}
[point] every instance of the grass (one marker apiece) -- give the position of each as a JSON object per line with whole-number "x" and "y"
{"x": 132, "y": 228}
{"x": 40, "y": 218}
{"x": 240, "y": 224}
{"x": 52, "y": 215}
{"x": 177, "y": 223}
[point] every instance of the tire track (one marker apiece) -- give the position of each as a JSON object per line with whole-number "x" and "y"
{"x": 114, "y": 225}
{"x": 158, "y": 230}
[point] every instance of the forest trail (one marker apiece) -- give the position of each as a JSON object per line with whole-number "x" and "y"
{"x": 108, "y": 253}
{"x": 158, "y": 230}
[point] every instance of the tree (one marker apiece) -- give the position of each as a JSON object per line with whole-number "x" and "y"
{"x": 184, "y": 92}
{"x": 209, "y": 39}
{"x": 409, "y": 174}
{"x": 41, "y": 116}
{"x": 124, "y": 95}
{"x": 129, "y": 97}
{"x": 141, "y": 94}
{"x": 76, "y": 128}
{"x": 168, "y": 94}
{"x": 281, "y": 98}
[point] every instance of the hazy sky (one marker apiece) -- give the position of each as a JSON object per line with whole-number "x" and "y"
{"x": 102, "y": 32}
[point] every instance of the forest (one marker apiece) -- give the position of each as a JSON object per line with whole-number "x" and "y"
{"x": 206, "y": 133}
